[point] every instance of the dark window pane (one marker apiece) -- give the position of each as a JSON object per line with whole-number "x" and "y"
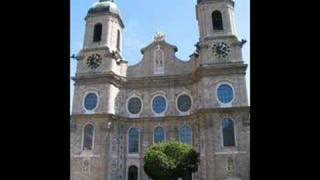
{"x": 184, "y": 103}
{"x": 186, "y": 135}
{"x": 118, "y": 40}
{"x": 228, "y": 132}
{"x": 133, "y": 173}
{"x": 158, "y": 135}
{"x": 88, "y": 137}
{"x": 217, "y": 20}
{"x": 97, "y": 32}
{"x": 134, "y": 140}
{"x": 90, "y": 101}
{"x": 225, "y": 93}
{"x": 134, "y": 105}
{"x": 159, "y": 104}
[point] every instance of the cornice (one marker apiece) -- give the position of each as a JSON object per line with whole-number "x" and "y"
{"x": 196, "y": 114}
{"x": 200, "y": 2}
{"x": 207, "y": 39}
{"x": 109, "y": 13}
{"x": 112, "y": 54}
{"x": 203, "y": 70}
{"x": 100, "y": 78}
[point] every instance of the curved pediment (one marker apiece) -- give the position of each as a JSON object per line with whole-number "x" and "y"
{"x": 161, "y": 43}
{"x": 159, "y": 59}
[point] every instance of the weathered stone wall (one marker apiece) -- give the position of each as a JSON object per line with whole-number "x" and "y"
{"x": 172, "y": 65}
{"x": 107, "y": 94}
{"x": 108, "y": 64}
{"x": 97, "y": 158}
{"x": 204, "y": 14}
{"x": 111, "y": 158}
{"x": 203, "y": 94}
{"x": 110, "y": 26}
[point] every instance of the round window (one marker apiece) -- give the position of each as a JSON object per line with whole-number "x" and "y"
{"x": 184, "y": 103}
{"x": 159, "y": 104}
{"x": 225, "y": 93}
{"x": 134, "y": 105}
{"x": 90, "y": 101}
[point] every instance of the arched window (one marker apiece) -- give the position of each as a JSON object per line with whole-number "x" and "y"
{"x": 186, "y": 135}
{"x": 217, "y": 20}
{"x": 134, "y": 140}
{"x": 97, "y": 32}
{"x": 88, "y": 133}
{"x": 228, "y": 132}
{"x": 133, "y": 173}
{"x": 118, "y": 40}
{"x": 158, "y": 135}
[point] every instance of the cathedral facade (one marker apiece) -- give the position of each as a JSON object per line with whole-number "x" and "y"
{"x": 119, "y": 110}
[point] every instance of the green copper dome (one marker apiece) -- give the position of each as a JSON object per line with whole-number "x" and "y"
{"x": 104, "y": 6}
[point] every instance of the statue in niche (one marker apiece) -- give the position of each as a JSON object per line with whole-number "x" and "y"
{"x": 159, "y": 56}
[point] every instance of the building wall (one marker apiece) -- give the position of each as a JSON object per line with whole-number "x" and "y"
{"x": 96, "y": 158}
{"x": 110, "y": 159}
{"x": 110, "y": 155}
{"x": 204, "y": 12}
{"x": 115, "y": 82}
{"x": 172, "y": 65}
{"x": 110, "y": 26}
{"x": 114, "y": 100}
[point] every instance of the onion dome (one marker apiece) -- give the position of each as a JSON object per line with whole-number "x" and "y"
{"x": 104, "y": 6}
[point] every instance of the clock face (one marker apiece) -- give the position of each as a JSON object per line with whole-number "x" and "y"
{"x": 221, "y": 49}
{"x": 94, "y": 61}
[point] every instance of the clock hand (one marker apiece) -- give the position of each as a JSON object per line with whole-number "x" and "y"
{"x": 221, "y": 49}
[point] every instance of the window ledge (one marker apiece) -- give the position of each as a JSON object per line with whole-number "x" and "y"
{"x": 230, "y": 152}
{"x": 84, "y": 154}
{"x": 133, "y": 155}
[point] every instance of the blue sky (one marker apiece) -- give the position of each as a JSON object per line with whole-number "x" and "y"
{"x": 143, "y": 18}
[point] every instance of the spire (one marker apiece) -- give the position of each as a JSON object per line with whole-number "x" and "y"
{"x": 105, "y": 0}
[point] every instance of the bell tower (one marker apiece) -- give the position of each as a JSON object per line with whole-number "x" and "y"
{"x": 102, "y": 46}
{"x": 100, "y": 62}
{"x": 104, "y": 26}
{"x": 216, "y": 18}
{"x": 218, "y": 41}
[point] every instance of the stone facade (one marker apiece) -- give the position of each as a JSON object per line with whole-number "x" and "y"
{"x": 160, "y": 72}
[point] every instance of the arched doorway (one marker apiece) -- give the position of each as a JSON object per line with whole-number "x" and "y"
{"x": 133, "y": 173}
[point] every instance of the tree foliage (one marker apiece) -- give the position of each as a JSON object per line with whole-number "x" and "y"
{"x": 170, "y": 160}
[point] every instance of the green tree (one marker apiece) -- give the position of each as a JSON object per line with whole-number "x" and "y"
{"x": 170, "y": 161}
